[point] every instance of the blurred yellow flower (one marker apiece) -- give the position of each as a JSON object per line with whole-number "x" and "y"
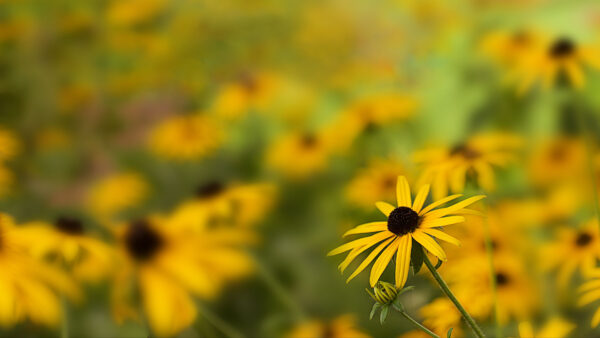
{"x": 249, "y": 91}
{"x": 440, "y": 315}
{"x": 340, "y": 327}
{"x": 10, "y": 145}
{"x": 30, "y": 289}
{"x": 299, "y": 155}
{"x": 573, "y": 249}
{"x": 116, "y": 193}
{"x": 555, "y": 327}
{"x": 89, "y": 258}
{"x": 590, "y": 292}
{"x": 380, "y": 109}
{"x": 447, "y": 168}
{"x": 408, "y": 221}
{"x": 219, "y": 203}
{"x": 185, "y": 137}
{"x": 133, "y": 12}
{"x": 558, "y": 159}
{"x": 374, "y": 183}
{"x": 166, "y": 265}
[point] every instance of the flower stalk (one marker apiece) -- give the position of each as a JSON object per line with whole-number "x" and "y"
{"x": 470, "y": 321}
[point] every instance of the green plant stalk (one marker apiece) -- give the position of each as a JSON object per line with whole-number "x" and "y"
{"x": 416, "y": 323}
{"x": 219, "y": 323}
{"x": 64, "y": 327}
{"x": 476, "y": 329}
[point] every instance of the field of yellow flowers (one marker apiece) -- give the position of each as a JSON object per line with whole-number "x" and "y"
{"x": 299, "y": 169}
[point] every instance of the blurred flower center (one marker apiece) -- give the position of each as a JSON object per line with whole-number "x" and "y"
{"x": 142, "y": 242}
{"x": 389, "y": 183}
{"x": 309, "y": 140}
{"x": 583, "y": 239}
{"x": 521, "y": 38}
{"x": 464, "y": 151}
{"x": 328, "y": 331}
{"x": 403, "y": 220}
{"x": 248, "y": 82}
{"x": 68, "y": 225}
{"x": 502, "y": 279}
{"x": 559, "y": 153}
{"x": 210, "y": 189}
{"x": 561, "y": 48}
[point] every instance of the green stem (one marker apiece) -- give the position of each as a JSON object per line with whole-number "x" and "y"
{"x": 64, "y": 328}
{"x": 476, "y": 329}
{"x": 412, "y": 320}
{"x": 219, "y": 323}
{"x": 279, "y": 291}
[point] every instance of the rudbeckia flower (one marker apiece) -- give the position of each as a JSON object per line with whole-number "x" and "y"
{"x": 440, "y": 315}
{"x": 558, "y": 159}
{"x": 167, "y": 266}
{"x": 30, "y": 289}
{"x": 89, "y": 258}
{"x": 447, "y": 168}
{"x": 407, "y": 221}
{"x": 185, "y": 137}
{"x": 249, "y": 91}
{"x": 340, "y": 327}
{"x": 116, "y": 193}
{"x": 376, "y": 182}
{"x": 555, "y": 327}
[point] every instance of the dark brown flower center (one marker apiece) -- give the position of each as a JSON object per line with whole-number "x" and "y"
{"x": 403, "y": 220}
{"x": 583, "y": 239}
{"x": 464, "y": 151}
{"x": 561, "y": 48}
{"x": 142, "y": 242}
{"x": 309, "y": 140}
{"x": 210, "y": 189}
{"x": 502, "y": 279}
{"x": 69, "y": 225}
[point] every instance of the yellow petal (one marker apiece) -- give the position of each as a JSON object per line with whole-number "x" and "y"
{"x": 589, "y": 297}
{"x": 403, "y": 192}
{"x": 385, "y": 208}
{"x": 369, "y": 259}
{"x": 440, "y": 222}
{"x": 430, "y": 244}
{"x": 456, "y": 207}
{"x": 590, "y": 285}
{"x": 383, "y": 261}
{"x": 442, "y": 235}
{"x": 366, "y": 228}
{"x": 403, "y": 260}
{"x": 596, "y": 318}
{"x": 421, "y": 197}
{"x": 438, "y": 203}
{"x": 575, "y": 74}
{"x": 370, "y": 241}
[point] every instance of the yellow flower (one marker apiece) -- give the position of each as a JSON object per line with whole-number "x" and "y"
{"x": 560, "y": 57}
{"x": 341, "y": 327}
{"x": 115, "y": 193}
{"x": 440, "y": 315}
{"x": 448, "y": 168}
{"x": 9, "y": 144}
{"x": 555, "y": 327}
{"x": 89, "y": 258}
{"x": 217, "y": 203}
{"x": 590, "y": 292}
{"x": 408, "y": 221}
{"x": 299, "y": 155}
{"x": 30, "y": 289}
{"x": 381, "y": 109}
{"x": 166, "y": 266}
{"x": 185, "y": 137}
{"x": 573, "y": 249}
{"x": 132, "y": 12}
{"x": 249, "y": 91}
{"x": 557, "y": 159}
{"x": 374, "y": 183}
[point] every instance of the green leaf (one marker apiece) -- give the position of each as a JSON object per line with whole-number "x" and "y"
{"x": 383, "y": 315}
{"x": 438, "y": 264}
{"x": 449, "y": 335}
{"x": 416, "y": 256}
{"x": 373, "y": 310}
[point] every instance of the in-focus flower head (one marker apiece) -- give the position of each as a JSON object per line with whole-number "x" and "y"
{"x": 407, "y": 221}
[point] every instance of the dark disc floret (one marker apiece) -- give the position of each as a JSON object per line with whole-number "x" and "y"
{"x": 141, "y": 241}
{"x": 502, "y": 279}
{"x": 403, "y": 220}
{"x": 583, "y": 239}
{"x": 309, "y": 140}
{"x": 69, "y": 225}
{"x": 209, "y": 189}
{"x": 464, "y": 151}
{"x": 562, "y": 47}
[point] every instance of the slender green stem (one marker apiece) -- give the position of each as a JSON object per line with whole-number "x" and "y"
{"x": 476, "y": 329}
{"x": 64, "y": 327}
{"x": 412, "y": 320}
{"x": 489, "y": 249}
{"x": 219, "y": 323}
{"x": 279, "y": 291}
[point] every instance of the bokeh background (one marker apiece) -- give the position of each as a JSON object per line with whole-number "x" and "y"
{"x": 285, "y": 121}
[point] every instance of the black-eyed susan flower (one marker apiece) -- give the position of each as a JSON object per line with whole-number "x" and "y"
{"x": 560, "y": 57}
{"x": 133, "y": 12}
{"x": 572, "y": 250}
{"x": 66, "y": 242}
{"x": 185, "y": 137}
{"x": 440, "y": 315}
{"x": 382, "y": 108}
{"x": 557, "y": 159}
{"x": 340, "y": 327}
{"x": 248, "y": 91}
{"x": 300, "y": 154}
{"x": 555, "y": 327}
{"x": 30, "y": 289}
{"x": 233, "y": 204}
{"x": 407, "y": 221}
{"x": 167, "y": 265}
{"x": 116, "y": 193}
{"x": 447, "y": 168}
{"x": 376, "y": 182}
{"x": 508, "y": 48}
